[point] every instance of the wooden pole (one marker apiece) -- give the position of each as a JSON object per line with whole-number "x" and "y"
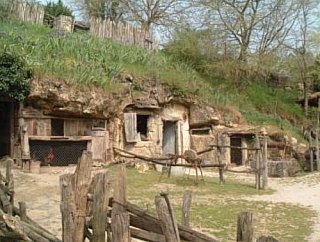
{"x": 311, "y": 151}
{"x": 74, "y": 192}
{"x": 10, "y": 183}
{"x": 265, "y": 162}
{"x": 267, "y": 239}
{"x": 317, "y": 137}
{"x": 165, "y": 219}
{"x": 257, "y": 178}
{"x": 100, "y": 206}
{"x": 120, "y": 221}
{"x": 186, "y": 205}
{"x": 245, "y": 227}
{"x": 219, "y": 155}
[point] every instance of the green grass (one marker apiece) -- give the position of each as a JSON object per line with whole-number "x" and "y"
{"x": 215, "y": 207}
{"x": 82, "y": 59}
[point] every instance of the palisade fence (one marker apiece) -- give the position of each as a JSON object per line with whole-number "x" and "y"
{"x": 27, "y": 12}
{"x": 121, "y": 32}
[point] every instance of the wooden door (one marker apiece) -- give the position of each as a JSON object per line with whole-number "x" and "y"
{"x": 99, "y": 146}
{"x": 169, "y": 143}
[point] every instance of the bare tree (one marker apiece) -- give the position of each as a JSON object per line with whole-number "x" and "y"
{"x": 255, "y": 25}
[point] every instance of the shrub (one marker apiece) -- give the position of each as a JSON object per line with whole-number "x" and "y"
{"x": 14, "y": 77}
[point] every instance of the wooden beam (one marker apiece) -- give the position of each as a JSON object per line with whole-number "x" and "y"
{"x": 245, "y": 227}
{"x": 186, "y": 205}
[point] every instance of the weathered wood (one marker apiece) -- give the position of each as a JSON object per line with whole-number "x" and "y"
{"x": 219, "y": 157}
{"x": 100, "y": 206}
{"x": 23, "y": 211}
{"x": 67, "y": 207}
{"x": 152, "y": 223}
{"x": 245, "y": 227}
{"x": 173, "y": 219}
{"x": 120, "y": 218}
{"x": 311, "y": 151}
{"x": 186, "y": 205}
{"x": 166, "y": 222}
{"x": 146, "y": 235}
{"x": 82, "y": 177}
{"x": 31, "y": 233}
{"x": 265, "y": 163}
{"x": 10, "y": 181}
{"x": 257, "y": 177}
{"x": 267, "y": 239}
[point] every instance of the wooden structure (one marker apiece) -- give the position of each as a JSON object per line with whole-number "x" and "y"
{"x": 122, "y": 33}
{"x": 90, "y": 204}
{"x": 16, "y": 225}
{"x": 27, "y": 12}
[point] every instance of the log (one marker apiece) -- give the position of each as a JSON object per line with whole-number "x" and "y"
{"x": 100, "y": 206}
{"x": 120, "y": 222}
{"x": 173, "y": 219}
{"x": 146, "y": 235}
{"x": 245, "y": 227}
{"x": 186, "y": 205}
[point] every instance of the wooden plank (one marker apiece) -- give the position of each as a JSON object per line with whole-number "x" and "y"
{"x": 100, "y": 205}
{"x": 120, "y": 221}
{"x": 130, "y": 125}
{"x": 166, "y": 222}
{"x": 82, "y": 178}
{"x": 146, "y": 235}
{"x": 67, "y": 207}
{"x": 245, "y": 227}
{"x": 186, "y": 205}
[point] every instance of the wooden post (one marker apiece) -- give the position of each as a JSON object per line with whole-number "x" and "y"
{"x": 10, "y": 181}
{"x": 219, "y": 154}
{"x": 257, "y": 178}
{"x": 100, "y": 206}
{"x": 165, "y": 217}
{"x": 74, "y": 191}
{"x": 23, "y": 211}
{"x": 67, "y": 207}
{"x": 245, "y": 227}
{"x": 311, "y": 151}
{"x": 120, "y": 220}
{"x": 265, "y": 162}
{"x": 317, "y": 137}
{"x": 187, "y": 199}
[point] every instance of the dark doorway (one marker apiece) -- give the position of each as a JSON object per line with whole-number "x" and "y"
{"x": 169, "y": 137}
{"x": 5, "y": 128}
{"x": 236, "y": 154}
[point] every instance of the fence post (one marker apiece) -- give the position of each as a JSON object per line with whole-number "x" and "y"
{"x": 120, "y": 222}
{"x": 166, "y": 220}
{"x": 187, "y": 199}
{"x": 100, "y": 206}
{"x": 267, "y": 239}
{"x": 317, "y": 137}
{"x": 74, "y": 191}
{"x": 245, "y": 227}
{"x": 219, "y": 151}
{"x": 311, "y": 151}
{"x": 257, "y": 178}
{"x": 265, "y": 162}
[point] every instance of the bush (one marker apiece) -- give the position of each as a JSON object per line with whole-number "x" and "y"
{"x": 14, "y": 77}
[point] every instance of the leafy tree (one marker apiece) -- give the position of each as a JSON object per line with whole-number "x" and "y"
{"x": 52, "y": 10}
{"x": 14, "y": 77}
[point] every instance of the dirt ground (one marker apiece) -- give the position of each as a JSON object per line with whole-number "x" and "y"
{"x": 42, "y": 195}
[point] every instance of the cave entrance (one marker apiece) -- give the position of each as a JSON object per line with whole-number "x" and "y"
{"x": 6, "y": 128}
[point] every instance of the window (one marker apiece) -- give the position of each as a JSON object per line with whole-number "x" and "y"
{"x": 201, "y": 131}
{"x": 136, "y": 127}
{"x": 98, "y": 125}
{"x": 142, "y": 126}
{"x": 57, "y": 127}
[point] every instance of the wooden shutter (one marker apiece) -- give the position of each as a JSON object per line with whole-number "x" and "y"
{"x": 130, "y": 125}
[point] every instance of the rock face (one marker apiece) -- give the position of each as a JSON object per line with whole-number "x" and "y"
{"x": 57, "y": 97}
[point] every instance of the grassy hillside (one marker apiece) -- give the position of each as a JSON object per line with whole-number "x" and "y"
{"x": 85, "y": 60}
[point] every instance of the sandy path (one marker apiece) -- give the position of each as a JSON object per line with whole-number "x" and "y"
{"x": 303, "y": 191}
{"x": 42, "y": 196}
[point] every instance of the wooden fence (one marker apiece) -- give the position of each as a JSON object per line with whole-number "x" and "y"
{"x": 123, "y": 33}
{"x": 27, "y": 12}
